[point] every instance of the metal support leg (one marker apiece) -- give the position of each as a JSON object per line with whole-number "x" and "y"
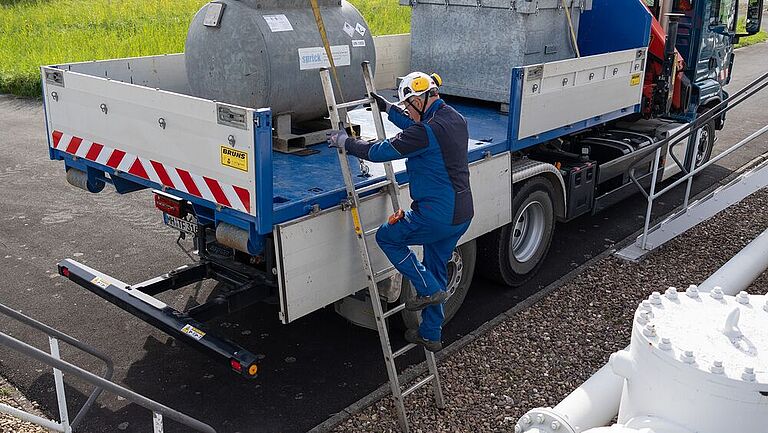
{"x": 651, "y": 197}
{"x": 157, "y": 422}
{"x": 58, "y": 379}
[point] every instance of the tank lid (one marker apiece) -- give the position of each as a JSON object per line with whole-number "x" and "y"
{"x": 287, "y": 4}
{"x": 722, "y": 335}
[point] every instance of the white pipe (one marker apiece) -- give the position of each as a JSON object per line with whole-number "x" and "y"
{"x": 743, "y": 269}
{"x": 596, "y": 402}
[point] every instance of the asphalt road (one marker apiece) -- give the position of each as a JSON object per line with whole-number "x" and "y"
{"x": 311, "y": 369}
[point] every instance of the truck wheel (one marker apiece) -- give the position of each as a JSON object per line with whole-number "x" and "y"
{"x": 461, "y": 269}
{"x": 512, "y": 254}
{"x": 706, "y": 144}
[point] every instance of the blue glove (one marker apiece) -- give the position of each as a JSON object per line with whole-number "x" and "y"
{"x": 337, "y": 139}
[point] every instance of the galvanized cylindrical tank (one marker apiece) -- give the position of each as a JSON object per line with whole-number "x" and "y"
{"x": 266, "y": 53}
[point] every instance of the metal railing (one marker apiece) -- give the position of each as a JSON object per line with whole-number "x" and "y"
{"x": 693, "y": 133}
{"x": 101, "y": 383}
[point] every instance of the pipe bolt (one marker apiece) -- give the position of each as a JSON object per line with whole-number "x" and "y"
{"x": 518, "y": 429}
{"x": 646, "y": 305}
{"x": 540, "y": 419}
{"x": 671, "y": 293}
{"x": 649, "y": 330}
{"x": 717, "y": 293}
{"x": 717, "y": 367}
{"x": 526, "y": 420}
{"x": 749, "y": 374}
{"x": 642, "y": 318}
{"x": 655, "y": 298}
{"x": 742, "y": 298}
{"x": 688, "y": 357}
{"x": 555, "y": 425}
{"x": 665, "y": 344}
{"x": 765, "y": 307}
{"x": 692, "y": 291}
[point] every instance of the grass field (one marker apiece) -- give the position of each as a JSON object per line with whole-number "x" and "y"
{"x": 43, "y": 32}
{"x": 751, "y": 40}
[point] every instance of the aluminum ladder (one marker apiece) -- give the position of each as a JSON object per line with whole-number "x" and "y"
{"x": 353, "y": 204}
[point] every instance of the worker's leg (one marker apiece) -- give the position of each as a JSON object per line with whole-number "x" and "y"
{"x": 395, "y": 239}
{"x": 436, "y": 257}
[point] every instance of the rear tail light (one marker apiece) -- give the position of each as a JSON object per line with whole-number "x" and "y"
{"x": 169, "y": 204}
{"x": 236, "y": 365}
{"x": 64, "y": 271}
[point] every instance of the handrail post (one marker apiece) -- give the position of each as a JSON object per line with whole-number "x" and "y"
{"x": 157, "y": 422}
{"x": 693, "y": 146}
{"x": 651, "y": 197}
{"x": 61, "y": 396}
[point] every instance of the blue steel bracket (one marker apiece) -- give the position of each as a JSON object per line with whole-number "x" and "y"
{"x": 262, "y": 120}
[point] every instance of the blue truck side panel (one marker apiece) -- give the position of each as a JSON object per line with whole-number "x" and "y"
{"x": 614, "y": 25}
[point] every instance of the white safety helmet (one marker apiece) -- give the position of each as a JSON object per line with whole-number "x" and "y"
{"x": 417, "y": 84}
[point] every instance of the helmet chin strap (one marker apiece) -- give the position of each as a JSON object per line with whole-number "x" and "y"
{"x": 424, "y": 105}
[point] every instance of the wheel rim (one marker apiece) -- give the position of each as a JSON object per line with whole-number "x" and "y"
{"x": 528, "y": 232}
{"x": 703, "y": 148}
{"x": 455, "y": 272}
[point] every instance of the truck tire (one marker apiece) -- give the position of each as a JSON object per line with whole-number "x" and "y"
{"x": 461, "y": 270}
{"x": 511, "y": 255}
{"x": 706, "y": 144}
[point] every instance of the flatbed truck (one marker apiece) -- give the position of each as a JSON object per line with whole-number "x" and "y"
{"x": 268, "y": 225}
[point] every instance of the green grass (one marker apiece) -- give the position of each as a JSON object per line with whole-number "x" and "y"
{"x": 750, "y": 40}
{"x": 44, "y": 32}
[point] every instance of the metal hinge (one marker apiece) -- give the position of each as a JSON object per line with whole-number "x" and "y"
{"x": 231, "y": 116}
{"x": 54, "y": 77}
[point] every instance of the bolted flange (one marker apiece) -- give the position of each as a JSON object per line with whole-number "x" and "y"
{"x": 692, "y": 291}
{"x": 743, "y": 298}
{"x": 671, "y": 293}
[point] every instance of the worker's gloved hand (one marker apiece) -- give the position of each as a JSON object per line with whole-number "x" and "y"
{"x": 381, "y": 102}
{"x": 337, "y": 139}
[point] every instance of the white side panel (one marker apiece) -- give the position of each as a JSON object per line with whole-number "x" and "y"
{"x": 562, "y": 93}
{"x": 166, "y": 72}
{"x": 190, "y": 141}
{"x": 319, "y": 261}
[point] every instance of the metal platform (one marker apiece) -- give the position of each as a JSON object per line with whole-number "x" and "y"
{"x": 699, "y": 211}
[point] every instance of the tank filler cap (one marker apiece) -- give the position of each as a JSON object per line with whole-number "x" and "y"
{"x": 723, "y": 336}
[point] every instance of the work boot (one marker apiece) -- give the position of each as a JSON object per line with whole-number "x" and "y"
{"x": 413, "y": 336}
{"x": 421, "y": 302}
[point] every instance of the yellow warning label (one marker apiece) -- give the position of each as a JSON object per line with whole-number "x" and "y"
{"x": 635, "y": 80}
{"x": 356, "y": 221}
{"x": 193, "y": 332}
{"x": 234, "y": 158}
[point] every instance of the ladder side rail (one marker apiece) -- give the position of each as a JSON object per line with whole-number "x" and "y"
{"x": 394, "y": 190}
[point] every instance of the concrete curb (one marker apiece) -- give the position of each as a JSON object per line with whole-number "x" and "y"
{"x": 414, "y": 371}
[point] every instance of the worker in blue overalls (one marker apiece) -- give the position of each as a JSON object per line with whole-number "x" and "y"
{"x": 434, "y": 140}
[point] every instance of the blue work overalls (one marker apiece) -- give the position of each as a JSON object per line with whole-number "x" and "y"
{"x": 438, "y": 171}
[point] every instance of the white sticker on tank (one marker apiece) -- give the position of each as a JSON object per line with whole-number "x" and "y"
{"x": 361, "y": 29}
{"x": 358, "y": 43}
{"x": 278, "y": 23}
{"x": 315, "y": 57}
{"x": 348, "y": 29}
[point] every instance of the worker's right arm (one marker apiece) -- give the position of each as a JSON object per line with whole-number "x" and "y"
{"x": 398, "y": 117}
{"x": 407, "y": 144}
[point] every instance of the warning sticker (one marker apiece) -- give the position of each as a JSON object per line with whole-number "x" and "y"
{"x": 193, "y": 332}
{"x": 315, "y": 57}
{"x": 234, "y": 158}
{"x": 278, "y": 23}
{"x": 358, "y": 43}
{"x": 635, "y": 80}
{"x": 348, "y": 29}
{"x": 99, "y": 282}
{"x": 361, "y": 29}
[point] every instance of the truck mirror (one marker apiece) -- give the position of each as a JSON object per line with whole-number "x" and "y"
{"x": 754, "y": 16}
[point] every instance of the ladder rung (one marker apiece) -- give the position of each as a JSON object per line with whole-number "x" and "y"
{"x": 394, "y": 311}
{"x": 353, "y": 103}
{"x": 418, "y": 385}
{"x": 403, "y": 350}
{"x": 384, "y": 271}
{"x": 373, "y": 186}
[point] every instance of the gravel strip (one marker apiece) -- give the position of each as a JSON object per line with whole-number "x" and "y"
{"x": 539, "y": 355}
{"x": 12, "y": 397}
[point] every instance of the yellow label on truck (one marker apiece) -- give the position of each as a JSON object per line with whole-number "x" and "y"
{"x": 234, "y": 158}
{"x": 635, "y": 81}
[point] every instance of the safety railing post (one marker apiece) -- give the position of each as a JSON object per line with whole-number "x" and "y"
{"x": 691, "y": 166}
{"x": 651, "y": 197}
{"x": 58, "y": 378}
{"x": 157, "y": 422}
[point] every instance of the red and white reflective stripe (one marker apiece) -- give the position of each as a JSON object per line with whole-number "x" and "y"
{"x": 206, "y": 188}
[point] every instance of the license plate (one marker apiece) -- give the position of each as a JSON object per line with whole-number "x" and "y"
{"x": 183, "y": 225}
